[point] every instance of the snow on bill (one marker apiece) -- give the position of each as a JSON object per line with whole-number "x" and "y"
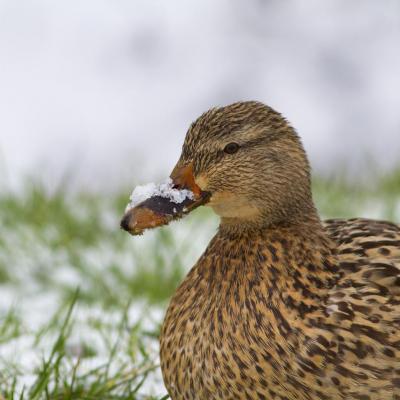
{"x": 165, "y": 189}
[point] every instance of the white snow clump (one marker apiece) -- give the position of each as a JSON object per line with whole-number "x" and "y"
{"x": 165, "y": 189}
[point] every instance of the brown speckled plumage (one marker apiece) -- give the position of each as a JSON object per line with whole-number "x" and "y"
{"x": 280, "y": 305}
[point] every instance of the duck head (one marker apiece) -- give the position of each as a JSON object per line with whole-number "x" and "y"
{"x": 251, "y": 162}
{"x": 246, "y": 162}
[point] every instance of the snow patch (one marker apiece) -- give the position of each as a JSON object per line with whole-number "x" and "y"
{"x": 165, "y": 189}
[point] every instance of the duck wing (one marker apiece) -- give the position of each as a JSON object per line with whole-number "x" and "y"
{"x": 363, "y": 309}
{"x": 368, "y": 253}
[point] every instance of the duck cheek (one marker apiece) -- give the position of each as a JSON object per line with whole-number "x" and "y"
{"x": 229, "y": 205}
{"x": 202, "y": 182}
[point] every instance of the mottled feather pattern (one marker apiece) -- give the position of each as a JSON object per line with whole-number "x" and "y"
{"x": 240, "y": 328}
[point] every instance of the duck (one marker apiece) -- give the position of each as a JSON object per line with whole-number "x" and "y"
{"x": 281, "y": 305}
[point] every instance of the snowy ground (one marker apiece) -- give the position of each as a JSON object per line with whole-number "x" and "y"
{"x": 123, "y": 283}
{"x": 107, "y": 347}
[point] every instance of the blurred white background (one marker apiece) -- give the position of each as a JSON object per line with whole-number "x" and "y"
{"x": 102, "y": 91}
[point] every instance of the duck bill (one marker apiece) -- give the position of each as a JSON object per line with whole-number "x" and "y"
{"x": 183, "y": 178}
{"x": 141, "y": 217}
{"x": 157, "y": 211}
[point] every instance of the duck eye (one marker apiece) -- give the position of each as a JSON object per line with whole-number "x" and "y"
{"x": 231, "y": 148}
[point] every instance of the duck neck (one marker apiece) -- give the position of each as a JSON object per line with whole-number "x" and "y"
{"x": 293, "y": 257}
{"x": 299, "y": 212}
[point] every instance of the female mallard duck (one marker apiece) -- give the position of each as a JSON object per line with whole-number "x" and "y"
{"x": 280, "y": 305}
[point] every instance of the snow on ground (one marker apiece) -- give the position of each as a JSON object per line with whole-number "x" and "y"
{"x": 41, "y": 275}
{"x": 93, "y": 328}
